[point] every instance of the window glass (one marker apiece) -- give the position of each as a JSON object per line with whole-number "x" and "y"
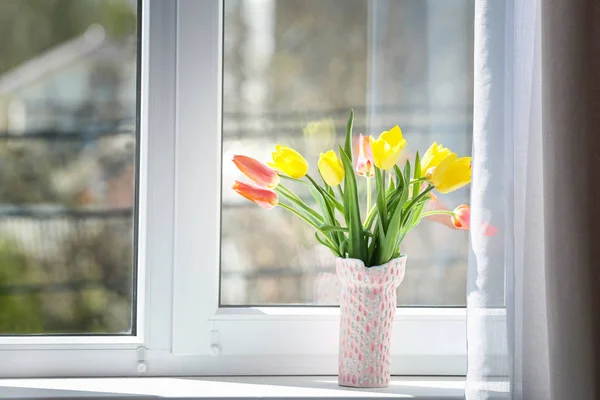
{"x": 68, "y": 76}
{"x": 292, "y": 70}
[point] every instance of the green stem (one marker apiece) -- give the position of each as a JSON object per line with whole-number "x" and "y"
{"x": 341, "y": 193}
{"x": 414, "y": 201}
{"x": 418, "y": 180}
{"x": 290, "y": 209}
{"x": 373, "y": 211}
{"x": 295, "y": 199}
{"x": 437, "y": 212}
{"x": 368, "y": 196}
{"x": 381, "y": 200}
{"x": 326, "y": 195}
{"x": 371, "y": 217}
{"x": 289, "y": 178}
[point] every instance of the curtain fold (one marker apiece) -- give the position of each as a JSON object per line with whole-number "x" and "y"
{"x": 533, "y": 291}
{"x": 571, "y": 118}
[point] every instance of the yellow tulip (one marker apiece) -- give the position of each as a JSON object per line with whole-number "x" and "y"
{"x": 434, "y": 155}
{"x": 387, "y": 147}
{"x": 331, "y": 168}
{"x": 451, "y": 174}
{"x": 289, "y": 161}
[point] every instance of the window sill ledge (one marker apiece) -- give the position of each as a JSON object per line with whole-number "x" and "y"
{"x": 299, "y": 387}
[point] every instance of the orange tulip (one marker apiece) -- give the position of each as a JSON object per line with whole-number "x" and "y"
{"x": 266, "y": 198}
{"x": 364, "y": 162}
{"x": 257, "y": 171}
{"x": 461, "y": 218}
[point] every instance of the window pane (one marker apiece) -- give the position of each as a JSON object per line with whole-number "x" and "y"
{"x": 68, "y": 72}
{"x": 292, "y": 71}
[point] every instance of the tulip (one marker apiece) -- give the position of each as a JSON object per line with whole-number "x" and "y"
{"x": 331, "y": 168}
{"x": 434, "y": 155}
{"x": 450, "y": 174}
{"x": 461, "y": 219}
{"x": 364, "y": 162}
{"x": 264, "y": 197}
{"x": 256, "y": 171}
{"x": 289, "y": 161}
{"x": 386, "y": 148}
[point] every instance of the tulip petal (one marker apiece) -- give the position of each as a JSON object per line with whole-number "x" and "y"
{"x": 364, "y": 161}
{"x": 331, "y": 168}
{"x": 264, "y": 197}
{"x": 257, "y": 171}
{"x": 450, "y": 174}
{"x": 433, "y": 156}
{"x": 289, "y": 161}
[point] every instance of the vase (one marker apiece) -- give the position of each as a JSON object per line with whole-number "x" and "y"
{"x": 367, "y": 309}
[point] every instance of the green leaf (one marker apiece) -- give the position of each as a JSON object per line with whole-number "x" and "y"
{"x": 348, "y": 141}
{"x": 330, "y": 244}
{"x": 391, "y": 187}
{"x": 356, "y": 245}
{"x": 417, "y": 175}
{"x": 332, "y": 204}
{"x": 407, "y": 176}
{"x": 399, "y": 177}
{"x": 381, "y": 203}
{"x": 300, "y": 205}
{"x": 379, "y": 242}
{"x": 422, "y": 196}
{"x": 344, "y": 247}
{"x": 327, "y": 244}
{"x": 402, "y": 188}
{"x": 372, "y": 250}
{"x": 388, "y": 245}
{"x": 416, "y": 217}
{"x": 330, "y": 228}
{"x": 328, "y": 188}
{"x": 393, "y": 203}
{"x": 333, "y": 201}
{"x": 397, "y": 204}
{"x": 399, "y": 240}
{"x": 328, "y": 210}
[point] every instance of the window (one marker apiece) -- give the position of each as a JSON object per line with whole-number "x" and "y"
{"x": 68, "y": 167}
{"x": 219, "y": 77}
{"x": 292, "y": 69}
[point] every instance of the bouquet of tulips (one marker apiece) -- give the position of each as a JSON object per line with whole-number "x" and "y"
{"x": 400, "y": 201}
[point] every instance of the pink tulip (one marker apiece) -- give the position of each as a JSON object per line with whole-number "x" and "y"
{"x": 257, "y": 171}
{"x": 266, "y": 198}
{"x": 461, "y": 219}
{"x": 364, "y": 162}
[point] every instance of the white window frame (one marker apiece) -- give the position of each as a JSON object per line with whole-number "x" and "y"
{"x": 180, "y": 328}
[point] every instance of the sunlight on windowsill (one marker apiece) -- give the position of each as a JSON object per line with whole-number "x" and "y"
{"x": 229, "y": 387}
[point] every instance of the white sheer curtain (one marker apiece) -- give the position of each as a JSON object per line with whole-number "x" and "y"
{"x": 533, "y": 291}
{"x": 505, "y": 288}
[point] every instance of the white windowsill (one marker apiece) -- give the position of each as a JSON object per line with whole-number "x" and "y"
{"x": 297, "y": 387}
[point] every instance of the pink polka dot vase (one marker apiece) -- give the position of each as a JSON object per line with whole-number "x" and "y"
{"x": 367, "y": 309}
